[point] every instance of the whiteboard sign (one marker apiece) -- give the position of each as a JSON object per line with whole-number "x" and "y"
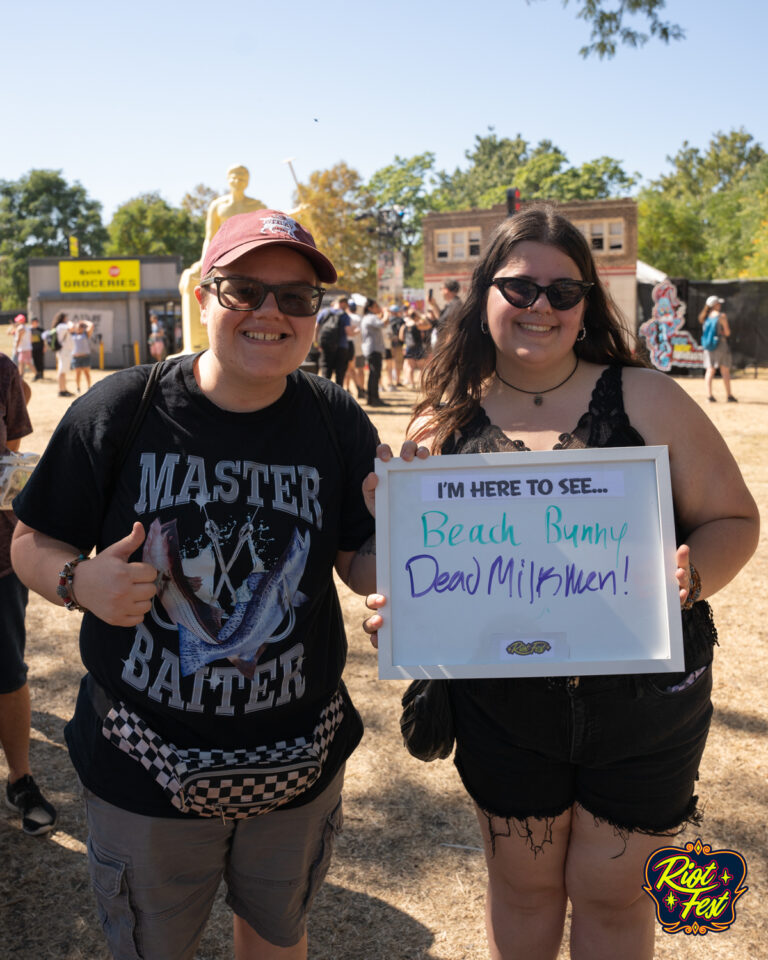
{"x": 553, "y": 563}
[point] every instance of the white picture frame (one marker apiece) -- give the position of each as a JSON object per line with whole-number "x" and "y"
{"x": 551, "y": 563}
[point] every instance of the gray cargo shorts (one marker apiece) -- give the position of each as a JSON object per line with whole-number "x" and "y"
{"x": 155, "y": 878}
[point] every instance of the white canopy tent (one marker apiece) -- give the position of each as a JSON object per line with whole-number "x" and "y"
{"x": 647, "y": 274}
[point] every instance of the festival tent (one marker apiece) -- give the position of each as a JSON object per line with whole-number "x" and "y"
{"x": 645, "y": 273}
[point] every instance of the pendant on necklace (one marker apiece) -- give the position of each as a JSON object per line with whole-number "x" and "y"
{"x": 538, "y": 400}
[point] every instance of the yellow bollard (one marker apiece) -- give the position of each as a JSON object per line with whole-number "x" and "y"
{"x": 136, "y": 352}
{"x": 101, "y": 355}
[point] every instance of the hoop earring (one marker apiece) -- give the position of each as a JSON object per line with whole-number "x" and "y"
{"x": 582, "y": 335}
{"x": 483, "y": 327}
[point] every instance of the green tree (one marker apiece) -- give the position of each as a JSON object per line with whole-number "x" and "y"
{"x": 614, "y": 27}
{"x": 670, "y": 235}
{"x": 38, "y": 214}
{"x": 755, "y": 216}
{"x": 729, "y": 159}
{"x": 699, "y": 220}
{"x": 594, "y": 180}
{"x": 148, "y": 225}
{"x": 542, "y": 172}
{"x": 402, "y": 190}
{"x": 756, "y": 262}
{"x": 493, "y": 165}
{"x": 333, "y": 205}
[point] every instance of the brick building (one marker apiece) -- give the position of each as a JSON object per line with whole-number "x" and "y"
{"x": 454, "y": 241}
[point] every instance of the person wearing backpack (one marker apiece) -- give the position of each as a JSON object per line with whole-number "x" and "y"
{"x": 331, "y": 337}
{"x": 715, "y": 331}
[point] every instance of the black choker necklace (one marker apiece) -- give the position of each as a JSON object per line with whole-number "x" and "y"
{"x": 537, "y": 395}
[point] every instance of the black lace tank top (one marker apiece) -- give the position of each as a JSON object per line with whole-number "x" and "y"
{"x": 605, "y": 424}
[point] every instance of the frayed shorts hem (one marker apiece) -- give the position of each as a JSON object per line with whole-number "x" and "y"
{"x": 522, "y": 827}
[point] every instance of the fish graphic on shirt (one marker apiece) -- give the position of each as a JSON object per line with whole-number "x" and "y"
{"x": 203, "y": 634}
{"x": 256, "y": 621}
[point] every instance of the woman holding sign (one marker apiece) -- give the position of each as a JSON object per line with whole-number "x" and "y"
{"x": 577, "y": 780}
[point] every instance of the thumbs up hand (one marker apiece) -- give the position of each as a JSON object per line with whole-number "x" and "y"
{"x": 112, "y": 587}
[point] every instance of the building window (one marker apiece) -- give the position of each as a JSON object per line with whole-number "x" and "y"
{"x": 603, "y": 236}
{"x": 457, "y": 244}
{"x": 615, "y": 236}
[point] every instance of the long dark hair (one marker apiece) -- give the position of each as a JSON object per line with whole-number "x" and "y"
{"x": 465, "y": 356}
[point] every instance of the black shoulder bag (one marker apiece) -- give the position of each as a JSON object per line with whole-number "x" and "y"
{"x": 427, "y": 720}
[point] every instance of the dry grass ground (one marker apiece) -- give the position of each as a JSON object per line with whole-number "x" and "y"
{"x": 407, "y": 879}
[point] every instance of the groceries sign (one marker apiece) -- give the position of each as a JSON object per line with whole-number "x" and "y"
{"x": 99, "y": 276}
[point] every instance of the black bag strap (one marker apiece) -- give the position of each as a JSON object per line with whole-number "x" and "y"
{"x": 325, "y": 410}
{"x": 138, "y": 418}
{"x": 141, "y": 411}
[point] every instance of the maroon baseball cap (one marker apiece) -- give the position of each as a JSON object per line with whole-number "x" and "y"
{"x": 244, "y": 232}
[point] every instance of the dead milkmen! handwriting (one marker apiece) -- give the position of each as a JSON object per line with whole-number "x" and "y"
{"x": 521, "y": 578}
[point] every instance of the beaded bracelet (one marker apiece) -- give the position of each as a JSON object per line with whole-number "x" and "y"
{"x": 66, "y": 589}
{"x": 694, "y": 591}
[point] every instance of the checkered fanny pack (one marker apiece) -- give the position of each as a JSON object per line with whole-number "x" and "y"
{"x": 231, "y": 784}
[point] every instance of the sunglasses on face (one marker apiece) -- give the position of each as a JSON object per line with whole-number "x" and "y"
{"x": 562, "y": 294}
{"x": 242, "y": 293}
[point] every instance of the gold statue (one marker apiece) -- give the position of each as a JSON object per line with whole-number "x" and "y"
{"x": 194, "y": 333}
{"x": 230, "y": 204}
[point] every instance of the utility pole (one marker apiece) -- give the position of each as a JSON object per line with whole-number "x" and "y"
{"x": 289, "y": 161}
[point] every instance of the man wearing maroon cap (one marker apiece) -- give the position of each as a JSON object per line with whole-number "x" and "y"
{"x": 212, "y": 633}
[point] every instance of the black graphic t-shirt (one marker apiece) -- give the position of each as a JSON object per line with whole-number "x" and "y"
{"x": 244, "y": 514}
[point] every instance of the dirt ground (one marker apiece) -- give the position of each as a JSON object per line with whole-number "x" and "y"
{"x": 408, "y": 878}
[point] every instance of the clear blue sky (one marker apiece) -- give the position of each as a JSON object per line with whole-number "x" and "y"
{"x": 160, "y": 96}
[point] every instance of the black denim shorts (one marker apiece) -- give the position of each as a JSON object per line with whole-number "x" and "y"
{"x": 623, "y": 747}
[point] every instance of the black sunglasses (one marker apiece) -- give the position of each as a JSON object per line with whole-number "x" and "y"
{"x": 562, "y": 294}
{"x": 242, "y": 293}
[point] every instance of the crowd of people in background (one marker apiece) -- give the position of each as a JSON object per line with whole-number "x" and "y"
{"x": 392, "y": 342}
{"x": 70, "y": 340}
